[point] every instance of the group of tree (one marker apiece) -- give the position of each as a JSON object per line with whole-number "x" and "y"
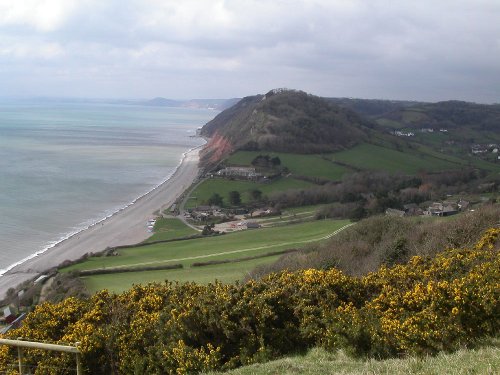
{"x": 217, "y": 200}
{"x": 266, "y": 161}
{"x": 364, "y": 194}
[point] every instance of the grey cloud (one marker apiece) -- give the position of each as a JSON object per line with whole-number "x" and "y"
{"x": 423, "y": 50}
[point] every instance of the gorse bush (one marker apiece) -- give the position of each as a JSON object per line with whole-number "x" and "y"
{"x": 379, "y": 240}
{"x": 421, "y": 307}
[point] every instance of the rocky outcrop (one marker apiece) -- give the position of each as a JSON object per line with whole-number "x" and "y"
{"x": 217, "y": 148}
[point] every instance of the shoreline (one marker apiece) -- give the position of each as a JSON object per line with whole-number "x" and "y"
{"x": 125, "y": 226}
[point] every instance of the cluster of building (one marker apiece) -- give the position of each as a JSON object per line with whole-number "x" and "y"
{"x": 485, "y": 148}
{"x": 400, "y": 133}
{"x": 445, "y": 208}
{"x": 232, "y": 219}
{"x": 248, "y": 173}
{"x": 202, "y": 213}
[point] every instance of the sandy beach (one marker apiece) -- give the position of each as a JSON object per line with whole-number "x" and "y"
{"x": 127, "y": 226}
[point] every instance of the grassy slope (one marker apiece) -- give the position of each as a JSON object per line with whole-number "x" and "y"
{"x": 170, "y": 228}
{"x": 301, "y": 165}
{"x": 485, "y": 360}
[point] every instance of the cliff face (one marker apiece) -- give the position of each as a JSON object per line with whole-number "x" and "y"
{"x": 217, "y": 148}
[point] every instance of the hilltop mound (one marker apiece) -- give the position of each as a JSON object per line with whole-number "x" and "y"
{"x": 283, "y": 121}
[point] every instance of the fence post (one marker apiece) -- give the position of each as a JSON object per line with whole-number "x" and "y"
{"x": 20, "y": 357}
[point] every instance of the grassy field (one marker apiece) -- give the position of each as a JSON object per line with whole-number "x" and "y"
{"x": 230, "y": 246}
{"x": 233, "y": 245}
{"x": 300, "y": 165}
{"x": 170, "y": 228}
{"x": 485, "y": 360}
{"x": 226, "y": 273}
{"x": 223, "y": 186}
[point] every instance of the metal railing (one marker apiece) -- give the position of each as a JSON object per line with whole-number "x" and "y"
{"x": 21, "y": 344}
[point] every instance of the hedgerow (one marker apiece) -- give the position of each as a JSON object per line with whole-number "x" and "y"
{"x": 422, "y": 307}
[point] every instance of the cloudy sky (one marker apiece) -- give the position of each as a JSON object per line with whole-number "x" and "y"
{"x": 418, "y": 50}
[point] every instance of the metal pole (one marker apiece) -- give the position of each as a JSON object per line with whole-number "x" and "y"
{"x": 40, "y": 345}
{"x": 79, "y": 369}
{"x": 20, "y": 357}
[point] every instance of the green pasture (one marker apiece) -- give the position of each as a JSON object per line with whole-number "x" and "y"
{"x": 226, "y": 273}
{"x": 223, "y": 186}
{"x": 170, "y": 228}
{"x": 436, "y": 139}
{"x": 291, "y": 214}
{"x": 373, "y": 157}
{"x": 299, "y": 165}
{"x": 413, "y": 115}
{"x": 464, "y": 160}
{"x": 230, "y": 246}
{"x": 389, "y": 123}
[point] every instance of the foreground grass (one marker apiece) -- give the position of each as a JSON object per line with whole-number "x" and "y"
{"x": 485, "y": 360}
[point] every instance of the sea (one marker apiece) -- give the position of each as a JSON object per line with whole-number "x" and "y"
{"x": 67, "y": 165}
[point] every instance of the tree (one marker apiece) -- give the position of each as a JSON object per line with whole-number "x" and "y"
{"x": 208, "y": 230}
{"x": 215, "y": 200}
{"x": 256, "y": 194}
{"x": 234, "y": 197}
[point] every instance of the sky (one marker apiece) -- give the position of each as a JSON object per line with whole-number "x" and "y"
{"x": 184, "y": 49}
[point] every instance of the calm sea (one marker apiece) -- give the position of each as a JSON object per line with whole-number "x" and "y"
{"x": 65, "y": 166}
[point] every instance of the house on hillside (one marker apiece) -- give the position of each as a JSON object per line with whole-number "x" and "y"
{"x": 412, "y": 209}
{"x": 12, "y": 323}
{"x": 463, "y": 205}
{"x": 240, "y": 172}
{"x": 442, "y": 209}
{"x": 8, "y": 315}
{"x": 252, "y": 225}
{"x": 394, "y": 212}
